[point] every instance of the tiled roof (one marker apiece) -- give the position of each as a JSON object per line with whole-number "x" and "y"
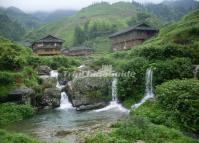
{"x": 142, "y": 26}
{"x": 49, "y": 38}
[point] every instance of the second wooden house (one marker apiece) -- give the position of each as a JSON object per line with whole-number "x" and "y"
{"x": 128, "y": 38}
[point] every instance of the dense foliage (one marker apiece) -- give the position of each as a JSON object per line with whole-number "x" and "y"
{"x": 10, "y": 29}
{"x": 181, "y": 98}
{"x": 12, "y": 56}
{"x": 133, "y": 86}
{"x": 11, "y": 112}
{"x": 91, "y": 30}
{"x": 136, "y": 128}
{"x": 6, "y": 137}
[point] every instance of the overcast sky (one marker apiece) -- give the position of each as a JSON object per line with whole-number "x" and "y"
{"x": 50, "y": 5}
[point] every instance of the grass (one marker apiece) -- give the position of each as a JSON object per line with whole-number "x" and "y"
{"x": 6, "y": 137}
{"x": 11, "y": 112}
{"x": 136, "y": 128}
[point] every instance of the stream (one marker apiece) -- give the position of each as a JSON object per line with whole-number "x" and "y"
{"x": 46, "y": 124}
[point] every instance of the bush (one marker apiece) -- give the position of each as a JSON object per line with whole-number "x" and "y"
{"x": 136, "y": 128}
{"x": 6, "y": 137}
{"x": 9, "y": 77}
{"x": 30, "y": 77}
{"x": 12, "y": 56}
{"x": 156, "y": 114}
{"x": 133, "y": 86}
{"x": 11, "y": 112}
{"x": 178, "y": 68}
{"x": 181, "y": 99}
{"x": 157, "y": 52}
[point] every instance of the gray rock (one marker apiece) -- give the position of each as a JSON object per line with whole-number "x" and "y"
{"x": 22, "y": 95}
{"x": 64, "y": 133}
{"x": 43, "y": 70}
{"x": 89, "y": 92}
{"x": 91, "y": 106}
{"x": 139, "y": 141}
{"x": 51, "y": 97}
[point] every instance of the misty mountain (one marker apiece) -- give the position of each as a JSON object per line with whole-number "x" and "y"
{"x": 172, "y": 10}
{"x": 53, "y": 16}
{"x": 27, "y": 21}
{"x": 10, "y": 29}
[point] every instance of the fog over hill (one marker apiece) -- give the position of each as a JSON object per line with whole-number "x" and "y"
{"x": 52, "y": 5}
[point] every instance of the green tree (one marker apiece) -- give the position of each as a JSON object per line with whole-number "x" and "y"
{"x": 79, "y": 36}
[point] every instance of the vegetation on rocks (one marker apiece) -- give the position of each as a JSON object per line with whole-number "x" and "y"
{"x": 140, "y": 129}
{"x": 6, "y": 137}
{"x": 11, "y": 112}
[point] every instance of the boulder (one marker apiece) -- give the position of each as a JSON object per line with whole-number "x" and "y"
{"x": 91, "y": 106}
{"x": 89, "y": 92}
{"x": 43, "y": 70}
{"x": 22, "y": 95}
{"x": 51, "y": 97}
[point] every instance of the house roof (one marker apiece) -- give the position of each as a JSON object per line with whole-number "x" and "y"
{"x": 140, "y": 27}
{"x": 49, "y": 38}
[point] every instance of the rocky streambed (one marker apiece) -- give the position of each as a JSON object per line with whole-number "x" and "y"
{"x": 73, "y": 110}
{"x": 68, "y": 124}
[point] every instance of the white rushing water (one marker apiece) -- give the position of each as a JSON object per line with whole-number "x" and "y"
{"x": 196, "y": 71}
{"x": 114, "y": 103}
{"x": 64, "y": 102}
{"x": 149, "y": 89}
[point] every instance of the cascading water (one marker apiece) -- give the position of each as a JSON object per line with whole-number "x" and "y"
{"x": 196, "y": 72}
{"x": 64, "y": 102}
{"x": 149, "y": 89}
{"x": 47, "y": 125}
{"x": 114, "y": 90}
{"x": 114, "y": 103}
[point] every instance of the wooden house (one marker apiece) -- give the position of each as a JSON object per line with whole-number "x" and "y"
{"x": 48, "y": 46}
{"x": 128, "y": 38}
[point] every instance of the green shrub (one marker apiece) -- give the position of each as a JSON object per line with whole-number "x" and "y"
{"x": 133, "y": 86}
{"x": 181, "y": 99}
{"x": 178, "y": 68}
{"x": 11, "y": 112}
{"x": 136, "y": 128}
{"x": 12, "y": 56}
{"x": 156, "y": 114}
{"x": 9, "y": 77}
{"x": 6, "y": 137}
{"x": 30, "y": 77}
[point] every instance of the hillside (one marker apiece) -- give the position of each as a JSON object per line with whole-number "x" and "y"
{"x": 27, "y": 21}
{"x": 112, "y": 17}
{"x": 169, "y": 11}
{"x": 47, "y": 17}
{"x": 10, "y": 29}
{"x": 116, "y": 15}
{"x": 171, "y": 57}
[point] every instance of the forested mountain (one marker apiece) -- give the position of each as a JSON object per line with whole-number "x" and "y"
{"x": 92, "y": 25}
{"x": 171, "y": 10}
{"x": 10, "y": 29}
{"x": 47, "y": 17}
{"x": 27, "y": 21}
{"x": 97, "y": 22}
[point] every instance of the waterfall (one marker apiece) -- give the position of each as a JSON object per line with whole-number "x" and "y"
{"x": 114, "y": 103}
{"x": 114, "y": 90}
{"x": 64, "y": 102}
{"x": 149, "y": 89}
{"x": 195, "y": 72}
